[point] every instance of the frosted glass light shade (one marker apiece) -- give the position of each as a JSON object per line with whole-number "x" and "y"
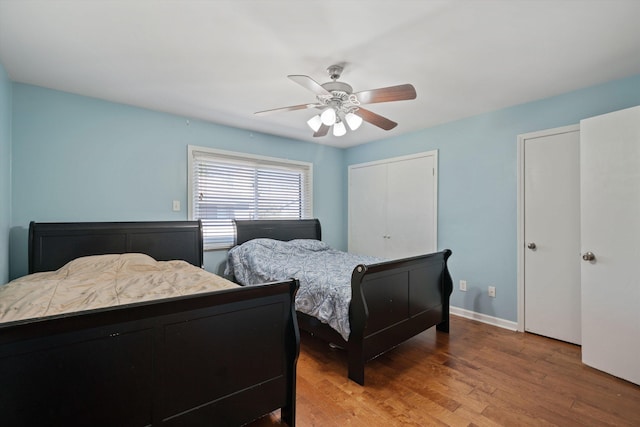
{"x": 315, "y": 122}
{"x": 328, "y": 116}
{"x": 353, "y": 121}
{"x": 339, "y": 129}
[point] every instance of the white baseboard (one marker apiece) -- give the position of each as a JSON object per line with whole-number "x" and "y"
{"x": 495, "y": 321}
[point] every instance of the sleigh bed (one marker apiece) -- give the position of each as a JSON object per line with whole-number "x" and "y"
{"x": 214, "y": 358}
{"x": 390, "y": 301}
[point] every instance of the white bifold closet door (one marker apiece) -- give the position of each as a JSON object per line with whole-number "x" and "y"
{"x": 393, "y": 206}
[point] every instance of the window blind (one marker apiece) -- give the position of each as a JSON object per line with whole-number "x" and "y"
{"x": 226, "y": 186}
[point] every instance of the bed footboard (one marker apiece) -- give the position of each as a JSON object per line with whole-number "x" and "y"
{"x": 394, "y": 301}
{"x": 222, "y": 358}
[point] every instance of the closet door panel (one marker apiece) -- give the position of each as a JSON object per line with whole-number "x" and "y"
{"x": 367, "y": 212}
{"x": 411, "y": 207}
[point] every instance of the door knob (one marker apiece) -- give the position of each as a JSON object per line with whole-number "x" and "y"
{"x": 531, "y": 245}
{"x": 588, "y": 256}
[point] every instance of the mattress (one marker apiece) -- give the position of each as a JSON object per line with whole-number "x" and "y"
{"x": 103, "y": 281}
{"x": 324, "y": 274}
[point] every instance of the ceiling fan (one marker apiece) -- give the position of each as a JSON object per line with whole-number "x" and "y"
{"x": 339, "y": 104}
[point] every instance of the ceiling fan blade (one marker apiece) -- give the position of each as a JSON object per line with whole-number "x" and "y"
{"x": 309, "y": 83}
{"x": 324, "y": 129}
{"x": 387, "y": 94}
{"x": 291, "y": 108}
{"x": 375, "y": 119}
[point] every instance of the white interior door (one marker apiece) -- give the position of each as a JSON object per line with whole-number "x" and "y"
{"x": 552, "y": 233}
{"x": 610, "y": 228}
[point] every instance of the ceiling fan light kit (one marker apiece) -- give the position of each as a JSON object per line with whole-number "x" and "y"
{"x": 353, "y": 121}
{"x": 341, "y": 105}
{"x": 339, "y": 129}
{"x": 328, "y": 116}
{"x": 315, "y": 122}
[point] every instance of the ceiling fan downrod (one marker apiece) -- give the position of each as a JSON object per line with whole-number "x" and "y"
{"x": 335, "y": 71}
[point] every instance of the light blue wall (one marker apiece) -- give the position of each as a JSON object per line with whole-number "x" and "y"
{"x": 82, "y": 159}
{"x": 477, "y": 203}
{"x": 5, "y": 173}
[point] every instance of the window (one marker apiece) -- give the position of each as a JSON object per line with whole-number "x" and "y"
{"x": 224, "y": 185}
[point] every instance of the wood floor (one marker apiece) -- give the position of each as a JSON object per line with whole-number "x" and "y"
{"x": 478, "y": 375}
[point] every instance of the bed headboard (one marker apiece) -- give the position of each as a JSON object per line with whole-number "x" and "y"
{"x": 278, "y": 229}
{"x": 52, "y": 245}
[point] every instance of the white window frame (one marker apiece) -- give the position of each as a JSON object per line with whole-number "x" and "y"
{"x": 250, "y": 160}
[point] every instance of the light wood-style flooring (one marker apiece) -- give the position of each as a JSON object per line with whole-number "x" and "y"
{"x": 478, "y": 375}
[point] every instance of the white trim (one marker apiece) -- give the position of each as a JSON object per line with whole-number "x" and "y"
{"x": 241, "y": 155}
{"x": 520, "y": 209}
{"x": 397, "y": 159}
{"x": 490, "y": 320}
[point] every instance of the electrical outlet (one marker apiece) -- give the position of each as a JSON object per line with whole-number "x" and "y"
{"x": 463, "y": 285}
{"x": 492, "y": 291}
{"x": 176, "y": 205}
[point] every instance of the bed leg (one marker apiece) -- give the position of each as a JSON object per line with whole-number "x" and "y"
{"x": 355, "y": 356}
{"x": 288, "y": 415}
{"x": 356, "y": 373}
{"x": 443, "y": 326}
{"x": 356, "y": 366}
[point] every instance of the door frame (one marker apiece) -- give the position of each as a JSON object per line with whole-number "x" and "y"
{"x": 520, "y": 209}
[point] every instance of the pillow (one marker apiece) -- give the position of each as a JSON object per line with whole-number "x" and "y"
{"x": 97, "y": 263}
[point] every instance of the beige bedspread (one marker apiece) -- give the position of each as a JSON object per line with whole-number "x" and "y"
{"x": 103, "y": 281}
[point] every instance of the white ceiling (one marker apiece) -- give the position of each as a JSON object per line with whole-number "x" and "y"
{"x": 221, "y": 61}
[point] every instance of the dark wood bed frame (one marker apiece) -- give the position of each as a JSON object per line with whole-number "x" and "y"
{"x": 390, "y": 302}
{"x": 219, "y": 358}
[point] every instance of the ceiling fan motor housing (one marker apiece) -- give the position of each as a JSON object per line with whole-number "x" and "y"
{"x": 341, "y": 98}
{"x": 338, "y": 87}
